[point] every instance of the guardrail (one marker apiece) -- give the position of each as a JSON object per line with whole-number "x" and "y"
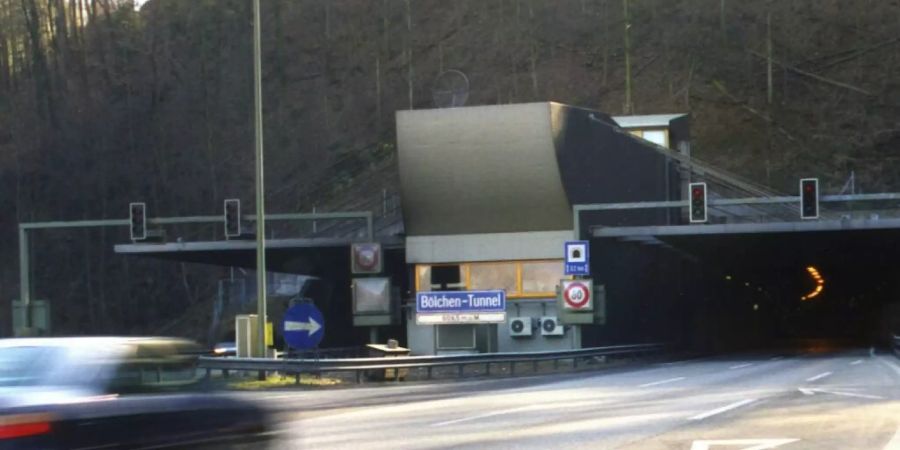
{"x": 361, "y": 365}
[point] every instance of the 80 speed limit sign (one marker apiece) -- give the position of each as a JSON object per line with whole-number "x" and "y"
{"x": 577, "y": 295}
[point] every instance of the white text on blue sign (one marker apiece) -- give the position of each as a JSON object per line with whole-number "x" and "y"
{"x": 461, "y": 301}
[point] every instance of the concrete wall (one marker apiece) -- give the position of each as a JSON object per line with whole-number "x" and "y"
{"x": 486, "y": 247}
{"x": 535, "y": 310}
{"x": 496, "y": 338}
{"x": 420, "y": 338}
{"x": 480, "y": 169}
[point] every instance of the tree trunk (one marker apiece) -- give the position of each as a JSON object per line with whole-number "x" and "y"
{"x": 534, "y": 78}
{"x": 769, "y": 57}
{"x": 409, "y": 63}
{"x": 628, "y": 107}
{"x": 722, "y": 18}
{"x": 378, "y": 95}
{"x": 605, "y": 19}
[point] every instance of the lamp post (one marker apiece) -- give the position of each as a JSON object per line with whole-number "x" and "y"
{"x": 260, "y": 190}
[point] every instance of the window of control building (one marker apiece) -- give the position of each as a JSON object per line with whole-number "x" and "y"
{"x": 440, "y": 277}
{"x": 657, "y": 137}
{"x": 501, "y": 275}
{"x": 540, "y": 277}
{"x": 520, "y": 279}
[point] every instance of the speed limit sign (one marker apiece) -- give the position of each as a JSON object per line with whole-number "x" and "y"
{"x": 577, "y": 295}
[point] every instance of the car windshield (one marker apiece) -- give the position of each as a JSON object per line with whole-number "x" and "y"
{"x": 28, "y": 366}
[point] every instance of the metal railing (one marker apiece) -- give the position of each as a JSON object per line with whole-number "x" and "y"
{"x": 359, "y": 366}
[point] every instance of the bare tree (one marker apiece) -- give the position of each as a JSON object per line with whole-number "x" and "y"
{"x": 628, "y": 108}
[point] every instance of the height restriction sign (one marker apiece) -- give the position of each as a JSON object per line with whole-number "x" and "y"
{"x": 577, "y": 295}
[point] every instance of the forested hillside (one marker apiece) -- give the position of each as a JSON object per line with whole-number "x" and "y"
{"x": 102, "y": 103}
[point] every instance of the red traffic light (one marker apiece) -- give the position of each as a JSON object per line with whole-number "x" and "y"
{"x": 697, "y": 205}
{"x": 809, "y": 198}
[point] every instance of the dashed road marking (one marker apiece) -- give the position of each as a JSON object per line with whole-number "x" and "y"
{"x": 741, "y": 366}
{"x": 723, "y": 409}
{"x": 754, "y": 444}
{"x": 819, "y": 376}
{"x": 657, "y": 383}
{"x": 481, "y": 416}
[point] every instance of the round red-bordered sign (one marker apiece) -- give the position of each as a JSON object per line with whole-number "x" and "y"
{"x": 577, "y": 295}
{"x": 367, "y": 258}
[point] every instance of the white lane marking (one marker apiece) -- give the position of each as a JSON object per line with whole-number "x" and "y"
{"x": 852, "y": 394}
{"x": 481, "y": 416}
{"x": 819, "y": 376}
{"x": 811, "y": 391}
{"x": 892, "y": 365}
{"x": 657, "y": 383}
{"x": 755, "y": 444}
{"x": 894, "y": 443}
{"x": 280, "y": 396}
{"x": 725, "y": 408}
{"x": 858, "y": 361}
{"x": 741, "y": 366}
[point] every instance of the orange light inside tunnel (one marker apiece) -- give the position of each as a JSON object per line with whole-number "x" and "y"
{"x": 820, "y": 283}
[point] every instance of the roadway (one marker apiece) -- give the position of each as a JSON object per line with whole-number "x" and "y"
{"x": 847, "y": 399}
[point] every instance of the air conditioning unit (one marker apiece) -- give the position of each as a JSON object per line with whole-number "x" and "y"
{"x": 551, "y": 326}
{"x": 520, "y": 326}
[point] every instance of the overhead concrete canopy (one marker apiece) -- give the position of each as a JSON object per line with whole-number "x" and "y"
{"x": 520, "y": 168}
{"x": 482, "y": 169}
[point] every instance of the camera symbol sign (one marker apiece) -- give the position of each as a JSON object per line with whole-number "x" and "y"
{"x": 577, "y": 294}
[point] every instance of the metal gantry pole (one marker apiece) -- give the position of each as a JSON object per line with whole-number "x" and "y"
{"x": 260, "y": 187}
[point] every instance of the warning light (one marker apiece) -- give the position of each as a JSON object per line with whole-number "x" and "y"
{"x": 820, "y": 283}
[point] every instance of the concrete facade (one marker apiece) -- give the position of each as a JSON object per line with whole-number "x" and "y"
{"x": 486, "y": 247}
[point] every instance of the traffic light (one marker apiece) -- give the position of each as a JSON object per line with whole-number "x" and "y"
{"x": 809, "y": 198}
{"x": 137, "y": 216}
{"x": 232, "y": 217}
{"x": 697, "y": 205}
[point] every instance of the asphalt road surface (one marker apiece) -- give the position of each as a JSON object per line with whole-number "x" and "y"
{"x": 846, "y": 399}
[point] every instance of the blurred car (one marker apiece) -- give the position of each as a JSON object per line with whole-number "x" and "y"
{"x": 225, "y": 349}
{"x": 60, "y": 393}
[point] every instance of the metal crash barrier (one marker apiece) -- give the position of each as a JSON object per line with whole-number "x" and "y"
{"x": 362, "y": 365}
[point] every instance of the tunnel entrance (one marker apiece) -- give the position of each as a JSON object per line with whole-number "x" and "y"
{"x": 724, "y": 291}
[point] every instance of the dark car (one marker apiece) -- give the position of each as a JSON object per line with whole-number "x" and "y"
{"x": 228, "y": 348}
{"x": 61, "y": 393}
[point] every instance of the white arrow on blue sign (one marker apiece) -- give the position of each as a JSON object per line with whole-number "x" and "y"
{"x": 303, "y": 326}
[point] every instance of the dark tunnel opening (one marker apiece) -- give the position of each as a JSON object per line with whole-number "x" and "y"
{"x": 725, "y": 292}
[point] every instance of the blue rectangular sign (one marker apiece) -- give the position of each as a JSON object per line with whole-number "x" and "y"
{"x": 461, "y": 301}
{"x": 578, "y": 258}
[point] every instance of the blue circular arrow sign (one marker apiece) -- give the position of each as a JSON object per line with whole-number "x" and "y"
{"x": 303, "y": 326}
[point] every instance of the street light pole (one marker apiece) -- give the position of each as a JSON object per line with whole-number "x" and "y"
{"x": 260, "y": 187}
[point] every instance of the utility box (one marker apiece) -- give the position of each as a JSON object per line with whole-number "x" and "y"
{"x": 391, "y": 350}
{"x": 246, "y": 336}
